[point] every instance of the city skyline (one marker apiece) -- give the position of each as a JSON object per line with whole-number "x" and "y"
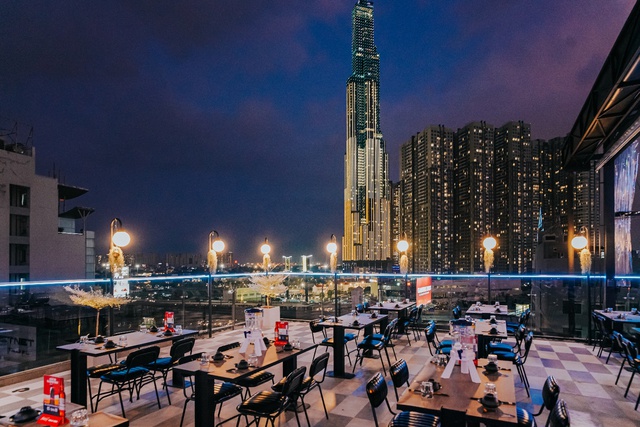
{"x": 180, "y": 119}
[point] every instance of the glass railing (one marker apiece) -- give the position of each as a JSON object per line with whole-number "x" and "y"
{"x": 35, "y": 317}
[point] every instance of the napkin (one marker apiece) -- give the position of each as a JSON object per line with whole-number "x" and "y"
{"x": 466, "y": 363}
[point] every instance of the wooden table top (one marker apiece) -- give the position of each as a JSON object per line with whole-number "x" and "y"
{"x": 459, "y": 393}
{"x": 483, "y": 327}
{"x": 226, "y": 369}
{"x": 488, "y": 309}
{"x": 134, "y": 340}
{"x": 617, "y": 316}
{"x": 392, "y": 306}
{"x": 347, "y": 321}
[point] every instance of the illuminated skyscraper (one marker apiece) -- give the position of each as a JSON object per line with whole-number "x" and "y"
{"x": 366, "y": 166}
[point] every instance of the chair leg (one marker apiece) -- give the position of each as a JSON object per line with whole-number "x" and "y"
{"x": 620, "y": 371}
{"x": 121, "y": 404}
{"x": 357, "y": 358}
{"x": 382, "y": 363}
{"x": 629, "y": 385}
{"x": 346, "y": 349}
{"x": 184, "y": 410}
{"x": 326, "y": 414}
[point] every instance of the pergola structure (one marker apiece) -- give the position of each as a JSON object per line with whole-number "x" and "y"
{"x": 608, "y": 122}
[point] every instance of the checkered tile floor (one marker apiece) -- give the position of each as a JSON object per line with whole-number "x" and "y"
{"x": 586, "y": 383}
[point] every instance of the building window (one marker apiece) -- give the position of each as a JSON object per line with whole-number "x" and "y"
{"x": 19, "y": 196}
{"x": 19, "y": 225}
{"x": 18, "y": 254}
{"x": 18, "y": 277}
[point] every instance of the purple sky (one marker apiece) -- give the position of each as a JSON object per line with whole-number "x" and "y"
{"x": 183, "y": 117}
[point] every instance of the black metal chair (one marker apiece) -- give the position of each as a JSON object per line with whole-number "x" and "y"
{"x": 329, "y": 342}
{"x": 607, "y": 341}
{"x": 559, "y": 417}
{"x": 315, "y": 328}
{"x": 163, "y": 365}
{"x": 270, "y": 404}
{"x": 631, "y": 356}
{"x": 370, "y": 344}
{"x": 432, "y": 340}
{"x": 408, "y": 324}
{"x": 377, "y": 393}
{"x": 399, "y": 375}
{"x": 417, "y": 325}
{"x": 550, "y": 394}
{"x": 222, "y": 391}
{"x": 317, "y": 373}
{"x": 518, "y": 360}
{"x": 389, "y": 343}
{"x": 506, "y": 347}
{"x": 96, "y": 372}
{"x": 131, "y": 377}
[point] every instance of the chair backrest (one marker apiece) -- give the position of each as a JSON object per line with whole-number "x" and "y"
{"x": 456, "y": 312}
{"x": 559, "y": 416}
{"x": 386, "y": 337}
{"x": 189, "y": 358}
{"x": 630, "y": 353}
{"x": 293, "y": 381}
{"x": 550, "y": 393}
{"x": 319, "y": 365}
{"x": 419, "y": 315}
{"x": 413, "y": 314}
{"x": 360, "y": 308}
{"x": 399, "y": 374}
{"x": 365, "y": 305}
{"x": 314, "y": 327}
{"x": 604, "y": 327}
{"x": 528, "y": 340}
{"x": 377, "y": 390}
{"x": 142, "y": 357}
{"x": 181, "y": 347}
{"x": 229, "y": 346}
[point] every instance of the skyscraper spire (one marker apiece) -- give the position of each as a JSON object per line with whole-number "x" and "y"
{"x": 367, "y": 189}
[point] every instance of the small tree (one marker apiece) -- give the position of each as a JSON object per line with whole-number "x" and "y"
{"x": 94, "y": 299}
{"x": 268, "y": 285}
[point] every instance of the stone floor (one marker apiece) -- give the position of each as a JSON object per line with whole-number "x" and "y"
{"x": 586, "y": 383}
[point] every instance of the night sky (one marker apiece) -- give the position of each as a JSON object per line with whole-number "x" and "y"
{"x": 182, "y": 117}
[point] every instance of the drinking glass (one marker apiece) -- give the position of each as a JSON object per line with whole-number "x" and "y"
{"x": 179, "y": 329}
{"x": 122, "y": 340}
{"x": 426, "y": 387}
{"x": 143, "y": 328}
{"x": 204, "y": 358}
{"x": 79, "y": 418}
{"x": 492, "y": 358}
{"x": 490, "y": 391}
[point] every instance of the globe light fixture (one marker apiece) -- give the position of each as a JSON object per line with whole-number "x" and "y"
{"x": 266, "y": 259}
{"x": 403, "y": 247}
{"x": 489, "y": 244}
{"x": 118, "y": 239}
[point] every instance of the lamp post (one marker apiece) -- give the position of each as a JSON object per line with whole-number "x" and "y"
{"x": 215, "y": 245}
{"x": 332, "y": 248}
{"x": 581, "y": 243}
{"x": 489, "y": 243}
{"x": 119, "y": 239}
{"x": 403, "y": 247}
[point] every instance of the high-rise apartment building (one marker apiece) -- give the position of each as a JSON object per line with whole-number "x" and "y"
{"x": 514, "y": 179}
{"x": 474, "y": 207}
{"x": 426, "y": 199}
{"x": 367, "y": 204}
{"x": 40, "y": 238}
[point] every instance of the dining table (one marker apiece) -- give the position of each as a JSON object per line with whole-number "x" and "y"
{"x": 400, "y": 308}
{"x": 620, "y": 319}
{"x": 80, "y": 351}
{"x": 486, "y": 331}
{"x": 459, "y": 394}
{"x": 487, "y": 310}
{"x": 362, "y": 321}
{"x": 226, "y": 370}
